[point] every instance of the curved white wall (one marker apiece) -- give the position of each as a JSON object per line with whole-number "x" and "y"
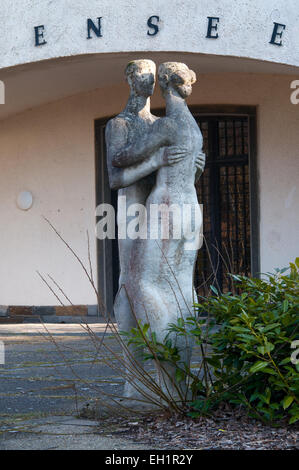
{"x": 49, "y": 148}
{"x": 50, "y": 151}
{"x": 245, "y": 28}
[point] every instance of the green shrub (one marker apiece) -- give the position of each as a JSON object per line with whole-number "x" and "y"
{"x": 251, "y": 352}
{"x": 245, "y": 340}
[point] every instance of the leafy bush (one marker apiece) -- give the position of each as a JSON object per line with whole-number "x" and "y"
{"x": 245, "y": 340}
{"x": 142, "y": 337}
{"x": 251, "y": 351}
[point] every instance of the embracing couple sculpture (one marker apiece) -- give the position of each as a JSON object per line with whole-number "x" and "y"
{"x": 151, "y": 161}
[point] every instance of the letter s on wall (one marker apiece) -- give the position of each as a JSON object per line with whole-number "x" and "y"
{"x": 155, "y": 27}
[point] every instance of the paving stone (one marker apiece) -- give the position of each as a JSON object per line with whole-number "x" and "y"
{"x": 43, "y": 310}
{"x": 11, "y": 320}
{"x": 71, "y": 310}
{"x": 32, "y": 319}
{"x": 67, "y": 319}
{"x": 79, "y": 422}
{"x": 63, "y": 429}
{"x": 92, "y": 310}
{"x": 3, "y": 310}
{"x": 14, "y": 310}
{"x": 69, "y": 442}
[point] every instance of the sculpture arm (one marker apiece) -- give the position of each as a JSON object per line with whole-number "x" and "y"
{"x": 123, "y": 177}
{"x": 116, "y": 136}
{"x": 160, "y": 135}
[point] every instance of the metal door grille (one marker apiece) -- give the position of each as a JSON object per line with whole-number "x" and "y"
{"x": 223, "y": 190}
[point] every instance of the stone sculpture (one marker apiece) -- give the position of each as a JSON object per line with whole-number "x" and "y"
{"x": 155, "y": 161}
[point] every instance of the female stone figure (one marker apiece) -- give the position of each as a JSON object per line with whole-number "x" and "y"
{"x": 160, "y": 278}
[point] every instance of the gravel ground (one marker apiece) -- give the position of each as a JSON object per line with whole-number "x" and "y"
{"x": 223, "y": 431}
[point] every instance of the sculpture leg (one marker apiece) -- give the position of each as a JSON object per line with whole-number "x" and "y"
{"x": 134, "y": 365}
{"x": 174, "y": 388}
{"x": 163, "y": 308}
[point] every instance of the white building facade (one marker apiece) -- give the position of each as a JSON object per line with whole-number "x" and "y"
{"x": 62, "y": 76}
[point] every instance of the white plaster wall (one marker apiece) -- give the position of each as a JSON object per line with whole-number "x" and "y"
{"x": 245, "y": 28}
{"x": 50, "y": 151}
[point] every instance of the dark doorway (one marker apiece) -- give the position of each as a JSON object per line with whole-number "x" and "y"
{"x": 107, "y": 250}
{"x": 224, "y": 191}
{"x": 227, "y": 190}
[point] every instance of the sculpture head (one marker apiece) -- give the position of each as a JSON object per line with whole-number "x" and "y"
{"x": 140, "y": 75}
{"x": 176, "y": 76}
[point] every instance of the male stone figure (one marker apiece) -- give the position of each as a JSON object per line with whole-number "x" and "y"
{"x": 135, "y": 177}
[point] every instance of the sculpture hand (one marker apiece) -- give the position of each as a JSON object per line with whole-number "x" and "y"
{"x": 200, "y": 162}
{"x": 174, "y": 154}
